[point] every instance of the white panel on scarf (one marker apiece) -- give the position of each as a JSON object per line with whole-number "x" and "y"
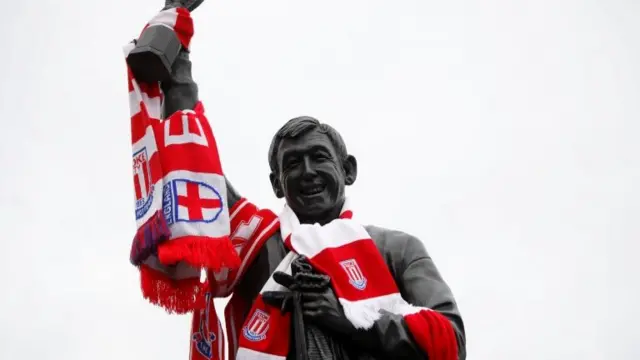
{"x": 166, "y": 18}
{"x": 363, "y": 313}
{"x": 309, "y": 240}
{"x": 217, "y": 228}
{"x": 246, "y": 354}
{"x": 153, "y": 104}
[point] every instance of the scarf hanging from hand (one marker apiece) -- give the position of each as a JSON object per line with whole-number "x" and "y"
{"x": 180, "y": 191}
{"x": 360, "y": 278}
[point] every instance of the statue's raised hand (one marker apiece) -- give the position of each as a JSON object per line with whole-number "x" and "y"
{"x": 157, "y": 48}
{"x": 188, "y": 4}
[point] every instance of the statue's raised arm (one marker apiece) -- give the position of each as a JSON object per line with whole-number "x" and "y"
{"x": 182, "y": 201}
{"x": 159, "y": 56}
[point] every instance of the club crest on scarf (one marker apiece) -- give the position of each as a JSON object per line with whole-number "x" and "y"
{"x": 142, "y": 182}
{"x": 356, "y": 278}
{"x": 204, "y": 338}
{"x": 186, "y": 200}
{"x": 256, "y": 328}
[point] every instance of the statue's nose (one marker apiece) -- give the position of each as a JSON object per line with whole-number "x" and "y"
{"x": 308, "y": 168}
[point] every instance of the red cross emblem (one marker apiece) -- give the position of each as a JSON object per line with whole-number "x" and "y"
{"x": 196, "y": 201}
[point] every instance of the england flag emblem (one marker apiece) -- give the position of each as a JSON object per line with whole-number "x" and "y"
{"x": 356, "y": 278}
{"x": 142, "y": 182}
{"x": 256, "y": 328}
{"x": 196, "y": 201}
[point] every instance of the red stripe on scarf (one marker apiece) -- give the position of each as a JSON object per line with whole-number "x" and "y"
{"x": 328, "y": 262}
{"x": 184, "y": 27}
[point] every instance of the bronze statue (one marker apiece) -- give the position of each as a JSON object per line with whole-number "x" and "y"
{"x": 310, "y": 168}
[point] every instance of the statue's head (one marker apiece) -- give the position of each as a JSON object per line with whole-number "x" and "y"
{"x": 310, "y": 168}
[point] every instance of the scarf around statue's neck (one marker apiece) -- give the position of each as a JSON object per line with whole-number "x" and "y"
{"x": 343, "y": 250}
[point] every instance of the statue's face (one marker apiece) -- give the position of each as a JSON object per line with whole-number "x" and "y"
{"x": 311, "y": 176}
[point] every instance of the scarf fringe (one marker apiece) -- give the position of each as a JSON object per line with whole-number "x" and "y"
{"x": 199, "y": 251}
{"x": 364, "y": 313}
{"x": 175, "y": 296}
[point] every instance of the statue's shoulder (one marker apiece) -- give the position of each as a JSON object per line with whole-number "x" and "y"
{"x": 395, "y": 243}
{"x": 382, "y": 234}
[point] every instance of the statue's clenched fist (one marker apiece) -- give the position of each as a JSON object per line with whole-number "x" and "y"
{"x": 188, "y": 4}
{"x": 157, "y": 48}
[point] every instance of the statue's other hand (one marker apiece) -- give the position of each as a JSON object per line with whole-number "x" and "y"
{"x": 283, "y": 279}
{"x": 303, "y": 281}
{"x": 324, "y": 310}
{"x": 280, "y": 299}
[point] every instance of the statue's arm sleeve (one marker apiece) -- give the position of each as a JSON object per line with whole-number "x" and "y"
{"x": 422, "y": 285}
{"x": 180, "y": 93}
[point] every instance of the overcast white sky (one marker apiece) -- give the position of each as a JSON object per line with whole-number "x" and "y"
{"x": 505, "y": 134}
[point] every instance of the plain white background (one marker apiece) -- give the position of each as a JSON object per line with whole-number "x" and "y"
{"x": 502, "y": 133}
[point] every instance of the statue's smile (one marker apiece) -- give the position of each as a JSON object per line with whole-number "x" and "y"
{"x": 312, "y": 189}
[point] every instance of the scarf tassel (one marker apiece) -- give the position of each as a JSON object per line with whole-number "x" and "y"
{"x": 197, "y": 251}
{"x": 175, "y": 296}
{"x": 184, "y": 295}
{"x": 364, "y": 313}
{"x": 213, "y": 254}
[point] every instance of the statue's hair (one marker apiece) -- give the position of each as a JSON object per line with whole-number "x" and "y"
{"x": 299, "y": 126}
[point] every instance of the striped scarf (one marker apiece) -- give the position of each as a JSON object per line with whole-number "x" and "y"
{"x": 343, "y": 250}
{"x": 180, "y": 192}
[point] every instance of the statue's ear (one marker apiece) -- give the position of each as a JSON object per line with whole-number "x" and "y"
{"x": 350, "y": 166}
{"x": 276, "y": 185}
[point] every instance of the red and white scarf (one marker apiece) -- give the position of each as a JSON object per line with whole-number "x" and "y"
{"x": 361, "y": 280}
{"x": 180, "y": 192}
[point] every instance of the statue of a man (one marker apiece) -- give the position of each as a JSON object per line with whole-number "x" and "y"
{"x": 310, "y": 168}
